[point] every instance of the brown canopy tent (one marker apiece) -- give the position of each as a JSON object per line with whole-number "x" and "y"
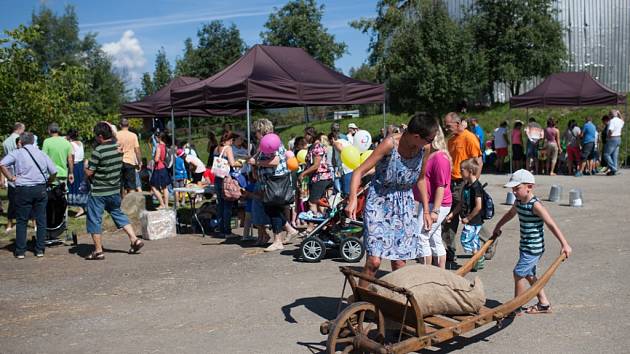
{"x": 569, "y": 89}
{"x": 158, "y": 105}
{"x": 270, "y": 77}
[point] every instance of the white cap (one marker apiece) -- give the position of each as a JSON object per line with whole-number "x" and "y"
{"x": 352, "y": 126}
{"x": 519, "y": 177}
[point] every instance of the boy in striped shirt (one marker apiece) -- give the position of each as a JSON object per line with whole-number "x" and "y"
{"x": 104, "y": 170}
{"x": 531, "y": 215}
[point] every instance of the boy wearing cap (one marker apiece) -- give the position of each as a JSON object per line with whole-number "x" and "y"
{"x": 531, "y": 215}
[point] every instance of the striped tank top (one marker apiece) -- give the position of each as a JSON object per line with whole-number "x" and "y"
{"x": 532, "y": 232}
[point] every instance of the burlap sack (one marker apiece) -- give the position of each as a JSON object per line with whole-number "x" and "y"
{"x": 132, "y": 205}
{"x": 437, "y": 291}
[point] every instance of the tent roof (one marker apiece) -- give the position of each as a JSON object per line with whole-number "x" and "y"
{"x": 159, "y": 103}
{"x": 568, "y": 89}
{"x": 271, "y": 76}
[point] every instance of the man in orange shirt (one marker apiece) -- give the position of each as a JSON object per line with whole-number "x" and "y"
{"x": 462, "y": 145}
{"x": 132, "y": 158}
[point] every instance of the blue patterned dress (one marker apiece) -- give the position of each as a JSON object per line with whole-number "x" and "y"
{"x": 390, "y": 227}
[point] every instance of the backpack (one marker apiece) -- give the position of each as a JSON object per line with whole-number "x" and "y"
{"x": 487, "y": 204}
{"x": 231, "y": 189}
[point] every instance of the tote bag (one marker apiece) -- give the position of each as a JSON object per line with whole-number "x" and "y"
{"x": 220, "y": 165}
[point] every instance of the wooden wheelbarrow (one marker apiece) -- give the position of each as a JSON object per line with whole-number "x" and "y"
{"x": 360, "y": 327}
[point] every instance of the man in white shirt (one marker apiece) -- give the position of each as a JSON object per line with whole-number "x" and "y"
{"x": 611, "y": 150}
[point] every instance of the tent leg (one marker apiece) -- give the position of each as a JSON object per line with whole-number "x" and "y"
{"x": 189, "y": 129}
{"x": 249, "y": 124}
{"x": 384, "y": 118}
{"x": 306, "y": 117}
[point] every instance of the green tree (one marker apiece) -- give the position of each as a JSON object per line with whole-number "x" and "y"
{"x": 522, "y": 39}
{"x": 186, "y": 65}
{"x": 218, "y": 46}
{"x": 364, "y": 72}
{"x": 427, "y": 60}
{"x": 58, "y": 44}
{"x": 299, "y": 24}
{"x": 35, "y": 97}
{"x": 162, "y": 74}
{"x": 146, "y": 87}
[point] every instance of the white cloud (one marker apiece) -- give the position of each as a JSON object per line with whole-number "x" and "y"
{"x": 127, "y": 56}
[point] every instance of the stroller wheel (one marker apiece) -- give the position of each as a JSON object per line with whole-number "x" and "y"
{"x": 351, "y": 249}
{"x": 312, "y": 249}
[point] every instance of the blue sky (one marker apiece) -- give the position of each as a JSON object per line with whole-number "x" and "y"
{"x": 132, "y": 31}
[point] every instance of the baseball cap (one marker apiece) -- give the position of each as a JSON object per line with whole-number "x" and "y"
{"x": 519, "y": 177}
{"x": 352, "y": 126}
{"x": 180, "y": 152}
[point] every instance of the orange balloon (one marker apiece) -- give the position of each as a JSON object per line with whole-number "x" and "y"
{"x": 293, "y": 164}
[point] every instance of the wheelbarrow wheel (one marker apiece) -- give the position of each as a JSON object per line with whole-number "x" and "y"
{"x": 358, "y": 319}
{"x": 312, "y": 249}
{"x": 351, "y": 249}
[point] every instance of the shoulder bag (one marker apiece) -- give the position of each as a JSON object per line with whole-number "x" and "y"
{"x": 277, "y": 190}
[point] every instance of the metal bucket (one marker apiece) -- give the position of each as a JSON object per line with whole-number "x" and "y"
{"x": 510, "y": 198}
{"x": 575, "y": 198}
{"x": 555, "y": 194}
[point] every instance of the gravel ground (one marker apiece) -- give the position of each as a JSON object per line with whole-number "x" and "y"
{"x": 200, "y": 295}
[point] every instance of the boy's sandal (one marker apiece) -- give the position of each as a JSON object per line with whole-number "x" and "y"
{"x": 136, "y": 246}
{"x": 95, "y": 256}
{"x": 538, "y": 309}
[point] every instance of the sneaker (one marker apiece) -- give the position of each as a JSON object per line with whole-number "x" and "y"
{"x": 19, "y": 256}
{"x": 39, "y": 254}
{"x": 611, "y": 173}
{"x": 578, "y": 174}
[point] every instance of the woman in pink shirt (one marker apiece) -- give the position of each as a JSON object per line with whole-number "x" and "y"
{"x": 437, "y": 172}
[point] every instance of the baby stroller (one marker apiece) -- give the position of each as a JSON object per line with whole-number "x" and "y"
{"x": 336, "y": 231}
{"x": 57, "y": 215}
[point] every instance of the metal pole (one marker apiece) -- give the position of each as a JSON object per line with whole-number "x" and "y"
{"x": 384, "y": 118}
{"x": 306, "y": 118}
{"x": 189, "y": 129}
{"x": 249, "y": 124}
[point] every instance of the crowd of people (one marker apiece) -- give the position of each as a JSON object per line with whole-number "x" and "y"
{"x": 424, "y": 181}
{"x": 589, "y": 149}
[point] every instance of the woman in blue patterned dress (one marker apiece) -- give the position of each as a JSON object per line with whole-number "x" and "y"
{"x": 391, "y": 230}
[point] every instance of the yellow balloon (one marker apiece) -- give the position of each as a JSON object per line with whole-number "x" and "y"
{"x": 301, "y": 156}
{"x": 351, "y": 157}
{"x": 365, "y": 155}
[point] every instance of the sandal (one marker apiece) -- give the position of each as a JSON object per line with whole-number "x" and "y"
{"x": 95, "y": 256}
{"x": 538, "y": 309}
{"x": 136, "y": 246}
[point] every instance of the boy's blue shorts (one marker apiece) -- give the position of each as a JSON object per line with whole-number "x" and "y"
{"x": 526, "y": 265}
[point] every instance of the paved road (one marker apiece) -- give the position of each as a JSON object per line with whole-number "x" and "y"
{"x": 197, "y": 295}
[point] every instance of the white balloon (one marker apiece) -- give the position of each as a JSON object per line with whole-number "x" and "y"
{"x": 362, "y": 140}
